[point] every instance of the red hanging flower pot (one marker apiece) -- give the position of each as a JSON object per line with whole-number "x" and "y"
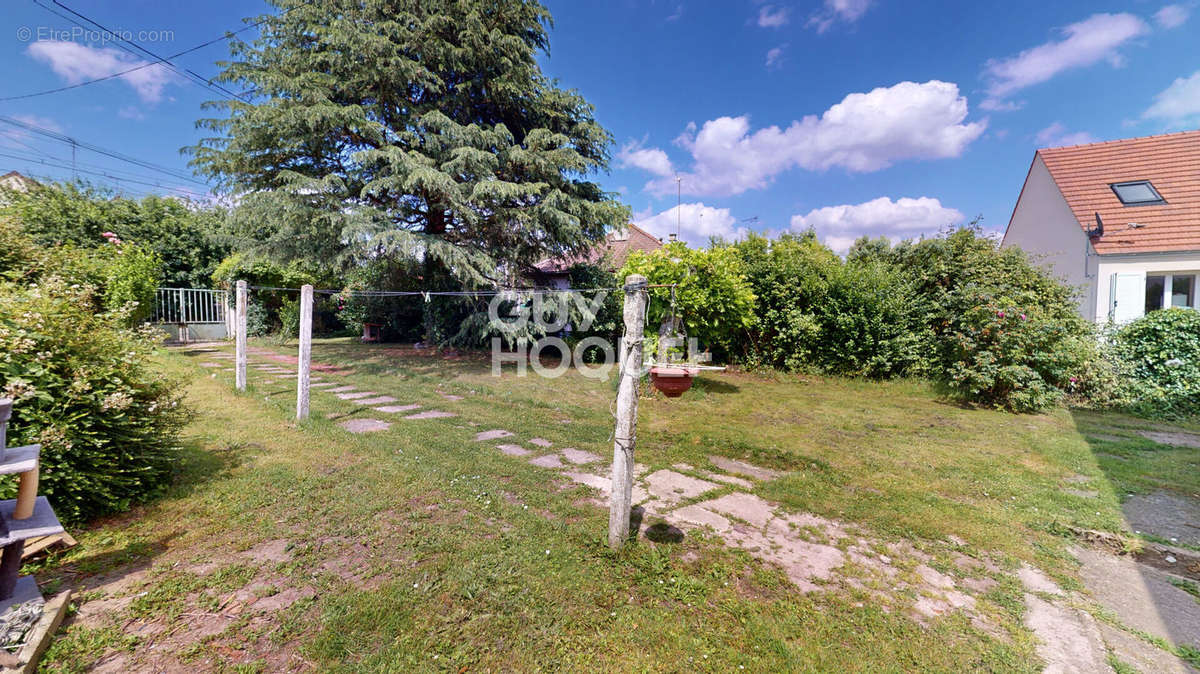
{"x": 672, "y": 380}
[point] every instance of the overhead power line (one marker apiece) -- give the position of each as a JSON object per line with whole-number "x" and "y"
{"x": 134, "y": 48}
{"x": 119, "y": 179}
{"x": 160, "y": 60}
{"x": 43, "y": 157}
{"x": 74, "y": 142}
{"x": 127, "y": 71}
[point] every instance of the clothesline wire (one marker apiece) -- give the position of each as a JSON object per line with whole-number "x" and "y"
{"x": 437, "y": 293}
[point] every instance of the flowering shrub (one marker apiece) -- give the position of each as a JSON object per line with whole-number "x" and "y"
{"x": 83, "y": 387}
{"x": 1160, "y": 356}
{"x": 712, "y": 295}
{"x": 131, "y": 273}
{"x": 1008, "y": 356}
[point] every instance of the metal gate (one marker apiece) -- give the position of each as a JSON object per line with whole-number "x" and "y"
{"x": 193, "y": 314}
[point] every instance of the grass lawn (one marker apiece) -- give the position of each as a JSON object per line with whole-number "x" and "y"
{"x": 285, "y": 546}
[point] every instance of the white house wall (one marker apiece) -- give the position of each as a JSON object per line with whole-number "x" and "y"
{"x": 1139, "y": 263}
{"x": 1044, "y": 226}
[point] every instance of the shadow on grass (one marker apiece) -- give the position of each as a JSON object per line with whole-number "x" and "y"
{"x": 198, "y": 465}
{"x": 658, "y": 533}
{"x": 88, "y": 572}
{"x": 710, "y": 384}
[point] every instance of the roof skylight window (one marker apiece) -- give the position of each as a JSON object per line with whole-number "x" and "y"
{"x": 1137, "y": 193}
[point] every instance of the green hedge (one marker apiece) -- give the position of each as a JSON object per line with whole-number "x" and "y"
{"x": 1159, "y": 355}
{"x": 83, "y": 383}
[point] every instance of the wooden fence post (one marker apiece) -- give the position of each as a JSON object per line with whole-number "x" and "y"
{"x": 306, "y": 309}
{"x": 240, "y": 361}
{"x": 625, "y": 436}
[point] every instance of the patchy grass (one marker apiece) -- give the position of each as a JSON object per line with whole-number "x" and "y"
{"x": 285, "y": 546}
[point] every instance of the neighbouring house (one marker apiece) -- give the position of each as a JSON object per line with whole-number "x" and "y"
{"x": 17, "y": 182}
{"x": 1119, "y": 219}
{"x": 553, "y": 272}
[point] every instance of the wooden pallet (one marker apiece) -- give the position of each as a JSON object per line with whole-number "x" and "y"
{"x": 25, "y": 661}
{"x": 40, "y": 544}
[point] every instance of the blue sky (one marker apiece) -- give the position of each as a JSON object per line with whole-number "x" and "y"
{"x": 850, "y": 116}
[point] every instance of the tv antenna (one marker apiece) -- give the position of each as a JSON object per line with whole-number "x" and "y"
{"x": 678, "y": 204}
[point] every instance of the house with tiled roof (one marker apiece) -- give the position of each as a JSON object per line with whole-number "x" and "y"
{"x": 1118, "y": 219}
{"x": 553, "y": 272}
{"x": 17, "y": 182}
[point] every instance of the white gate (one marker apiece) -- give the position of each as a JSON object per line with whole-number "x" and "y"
{"x": 192, "y": 314}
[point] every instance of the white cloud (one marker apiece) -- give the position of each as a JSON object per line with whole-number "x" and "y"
{"x": 771, "y": 16}
{"x": 696, "y": 223}
{"x": 653, "y": 159}
{"x": 36, "y": 120}
{"x": 76, "y": 63}
{"x": 12, "y": 136}
{"x": 840, "y": 226}
{"x": 1171, "y": 16}
{"x": 1178, "y": 104}
{"x": 864, "y": 132}
{"x": 848, "y": 11}
{"x": 1056, "y": 135}
{"x": 1096, "y": 38}
{"x": 775, "y": 56}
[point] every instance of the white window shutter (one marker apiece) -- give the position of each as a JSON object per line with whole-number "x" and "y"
{"x": 1127, "y": 297}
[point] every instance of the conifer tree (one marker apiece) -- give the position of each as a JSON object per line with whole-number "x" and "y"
{"x": 418, "y": 129}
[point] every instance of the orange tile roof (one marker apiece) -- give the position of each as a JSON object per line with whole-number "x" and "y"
{"x": 1171, "y": 162}
{"x": 616, "y": 249}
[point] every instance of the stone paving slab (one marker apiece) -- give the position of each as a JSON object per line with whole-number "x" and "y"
{"x": 379, "y": 400}
{"x": 1069, "y": 640}
{"x": 431, "y": 414}
{"x": 494, "y": 434}
{"x": 341, "y": 389}
{"x": 514, "y": 450}
{"x": 1175, "y": 439}
{"x": 731, "y": 480}
{"x": 365, "y": 425}
{"x": 667, "y": 488}
{"x": 578, "y": 456}
{"x": 1162, "y": 513}
{"x": 541, "y": 442}
{"x": 451, "y": 397}
{"x": 742, "y": 468}
{"x": 700, "y": 517}
{"x": 602, "y": 484}
{"x": 321, "y": 384}
{"x": 1143, "y": 656}
{"x": 805, "y": 563}
{"x": 211, "y": 364}
{"x": 355, "y": 395}
{"x": 747, "y": 507}
{"x": 547, "y": 461}
{"x": 396, "y": 409}
{"x": 1142, "y": 596}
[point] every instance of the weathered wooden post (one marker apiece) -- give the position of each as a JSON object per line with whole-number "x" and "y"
{"x": 306, "y": 308}
{"x": 625, "y": 436}
{"x": 240, "y": 361}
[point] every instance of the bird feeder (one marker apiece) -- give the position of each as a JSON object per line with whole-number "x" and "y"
{"x": 671, "y": 379}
